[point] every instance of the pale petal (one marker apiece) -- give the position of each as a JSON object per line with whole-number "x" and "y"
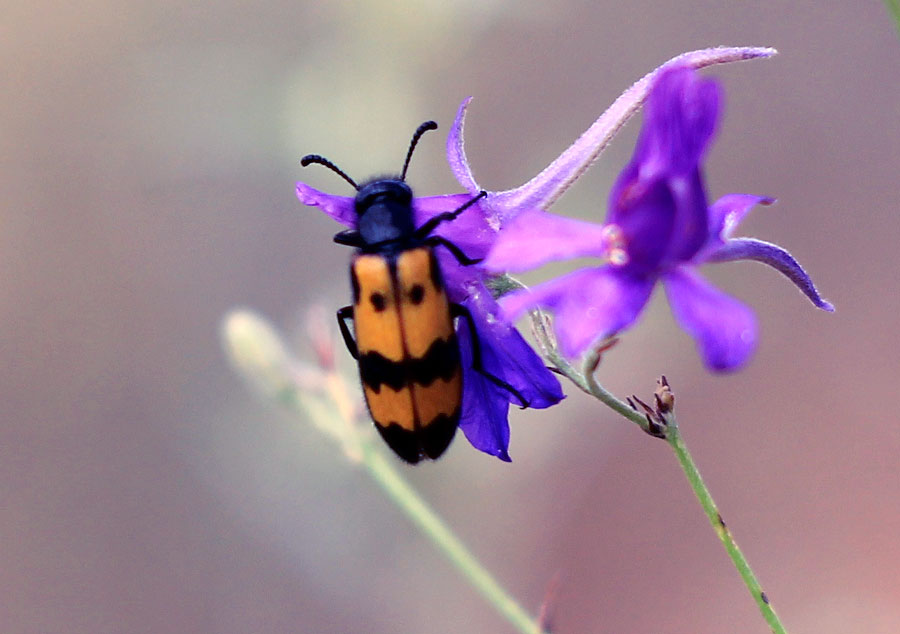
{"x": 456, "y": 152}
{"x": 536, "y": 237}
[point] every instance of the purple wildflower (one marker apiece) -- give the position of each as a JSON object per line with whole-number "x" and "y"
{"x": 505, "y": 354}
{"x": 660, "y": 228}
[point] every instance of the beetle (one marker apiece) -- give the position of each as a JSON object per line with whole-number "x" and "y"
{"x": 405, "y": 336}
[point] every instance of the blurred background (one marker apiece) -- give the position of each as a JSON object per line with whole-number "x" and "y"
{"x": 149, "y": 152}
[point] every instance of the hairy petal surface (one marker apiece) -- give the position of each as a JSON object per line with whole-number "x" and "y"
{"x": 542, "y": 190}
{"x": 456, "y": 152}
{"x": 723, "y": 328}
{"x": 588, "y": 304}
{"x": 776, "y": 257}
{"x": 536, "y": 237}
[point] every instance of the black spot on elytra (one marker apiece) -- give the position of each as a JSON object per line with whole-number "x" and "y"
{"x": 417, "y": 294}
{"x": 378, "y": 302}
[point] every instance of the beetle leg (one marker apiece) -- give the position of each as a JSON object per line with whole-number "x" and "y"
{"x": 343, "y": 314}
{"x": 461, "y": 257}
{"x": 429, "y": 226}
{"x": 457, "y": 310}
{"x": 350, "y": 238}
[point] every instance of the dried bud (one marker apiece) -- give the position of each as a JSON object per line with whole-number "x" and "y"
{"x": 665, "y": 398}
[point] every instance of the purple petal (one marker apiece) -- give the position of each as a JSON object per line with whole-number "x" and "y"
{"x": 645, "y": 212}
{"x": 456, "y": 152}
{"x": 338, "y": 207}
{"x": 776, "y": 257}
{"x": 506, "y": 355}
{"x": 484, "y": 413}
{"x": 546, "y": 187}
{"x": 680, "y": 121}
{"x": 727, "y": 213}
{"x": 485, "y": 405}
{"x": 536, "y": 237}
{"x": 659, "y": 199}
{"x": 460, "y": 281}
{"x": 470, "y": 231}
{"x": 589, "y": 305}
{"x": 723, "y": 328}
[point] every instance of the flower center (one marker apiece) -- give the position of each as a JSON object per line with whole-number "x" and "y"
{"x": 614, "y": 244}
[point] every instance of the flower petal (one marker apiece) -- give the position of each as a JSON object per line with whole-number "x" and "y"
{"x": 645, "y": 212}
{"x": 727, "y": 213}
{"x": 542, "y": 190}
{"x": 456, "y": 152}
{"x": 506, "y": 356}
{"x": 469, "y": 231}
{"x": 484, "y": 414}
{"x": 338, "y": 207}
{"x": 723, "y": 328}
{"x": 776, "y": 257}
{"x": 589, "y": 305}
{"x": 536, "y": 237}
{"x": 659, "y": 199}
{"x": 681, "y": 116}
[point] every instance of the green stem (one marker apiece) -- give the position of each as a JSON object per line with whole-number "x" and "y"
{"x": 417, "y": 510}
{"x": 893, "y": 7}
{"x": 673, "y": 436}
{"x": 588, "y": 383}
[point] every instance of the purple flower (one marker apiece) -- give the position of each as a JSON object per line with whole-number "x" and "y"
{"x": 659, "y": 228}
{"x": 545, "y": 188}
{"x": 505, "y": 354}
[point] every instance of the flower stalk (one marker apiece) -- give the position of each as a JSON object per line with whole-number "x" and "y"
{"x": 432, "y": 526}
{"x": 659, "y": 422}
{"x": 258, "y": 353}
{"x": 673, "y": 437}
{"x": 893, "y": 7}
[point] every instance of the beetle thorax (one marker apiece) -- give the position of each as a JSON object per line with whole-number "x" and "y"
{"x": 384, "y": 209}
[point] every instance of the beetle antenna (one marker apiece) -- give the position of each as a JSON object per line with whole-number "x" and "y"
{"x": 422, "y": 129}
{"x": 315, "y": 158}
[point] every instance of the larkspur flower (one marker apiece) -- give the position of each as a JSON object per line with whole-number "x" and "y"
{"x": 659, "y": 228}
{"x": 544, "y": 189}
{"x": 504, "y": 352}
